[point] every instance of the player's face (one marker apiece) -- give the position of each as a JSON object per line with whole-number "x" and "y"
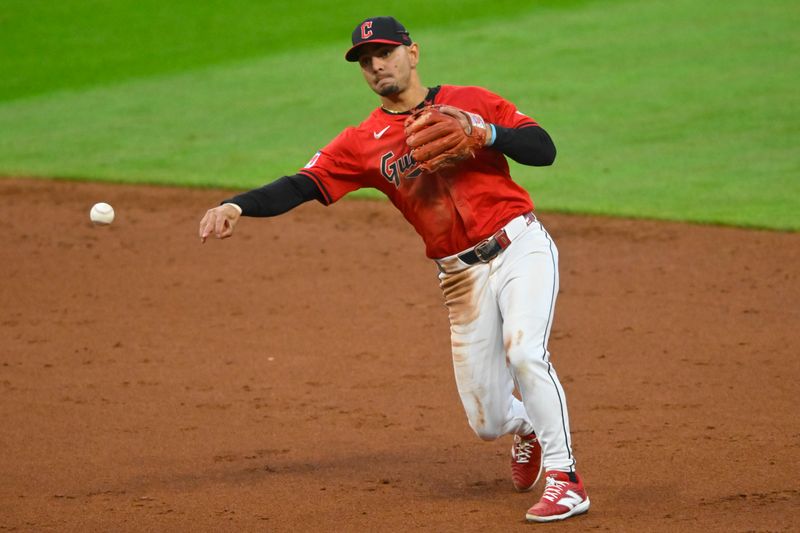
{"x": 387, "y": 68}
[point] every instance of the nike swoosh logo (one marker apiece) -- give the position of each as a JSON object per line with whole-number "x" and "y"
{"x": 570, "y": 500}
{"x": 379, "y": 134}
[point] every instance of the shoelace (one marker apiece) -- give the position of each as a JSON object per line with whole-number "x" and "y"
{"x": 522, "y": 450}
{"x": 553, "y": 488}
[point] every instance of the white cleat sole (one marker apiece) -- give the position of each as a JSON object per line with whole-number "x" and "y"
{"x": 578, "y": 509}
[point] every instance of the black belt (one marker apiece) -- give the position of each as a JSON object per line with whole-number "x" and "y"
{"x": 487, "y": 249}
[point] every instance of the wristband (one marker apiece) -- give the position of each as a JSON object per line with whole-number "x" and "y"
{"x": 492, "y": 135}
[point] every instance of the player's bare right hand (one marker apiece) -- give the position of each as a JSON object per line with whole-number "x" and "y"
{"x": 220, "y": 221}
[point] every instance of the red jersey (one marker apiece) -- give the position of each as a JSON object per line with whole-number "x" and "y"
{"x": 451, "y": 210}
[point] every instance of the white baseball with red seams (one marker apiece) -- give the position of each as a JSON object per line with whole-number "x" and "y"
{"x": 501, "y": 313}
{"x": 102, "y": 213}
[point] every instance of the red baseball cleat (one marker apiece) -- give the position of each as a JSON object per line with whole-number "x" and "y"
{"x": 526, "y": 462}
{"x": 562, "y": 498}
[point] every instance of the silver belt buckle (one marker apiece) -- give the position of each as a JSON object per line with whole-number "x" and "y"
{"x": 479, "y": 252}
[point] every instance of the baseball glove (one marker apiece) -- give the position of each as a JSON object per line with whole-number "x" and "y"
{"x": 441, "y": 135}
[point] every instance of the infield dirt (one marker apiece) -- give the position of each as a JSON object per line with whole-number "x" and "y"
{"x": 298, "y": 377}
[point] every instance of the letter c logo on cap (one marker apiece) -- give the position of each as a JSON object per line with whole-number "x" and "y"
{"x": 366, "y": 30}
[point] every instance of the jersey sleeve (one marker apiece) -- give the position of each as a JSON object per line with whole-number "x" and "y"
{"x": 503, "y": 113}
{"x": 335, "y": 169}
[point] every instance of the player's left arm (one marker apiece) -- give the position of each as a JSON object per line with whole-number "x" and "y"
{"x": 527, "y": 145}
{"x": 514, "y": 133}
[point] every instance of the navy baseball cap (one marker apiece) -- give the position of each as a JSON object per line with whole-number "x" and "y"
{"x": 383, "y": 30}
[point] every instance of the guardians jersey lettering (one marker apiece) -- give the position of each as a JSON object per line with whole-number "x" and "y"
{"x": 451, "y": 210}
{"x": 391, "y": 169}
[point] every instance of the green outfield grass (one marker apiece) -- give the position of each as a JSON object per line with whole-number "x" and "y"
{"x": 680, "y": 110}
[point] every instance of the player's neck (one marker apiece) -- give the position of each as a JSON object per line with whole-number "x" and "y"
{"x": 404, "y": 101}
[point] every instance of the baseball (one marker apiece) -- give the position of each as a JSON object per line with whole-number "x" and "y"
{"x": 102, "y": 213}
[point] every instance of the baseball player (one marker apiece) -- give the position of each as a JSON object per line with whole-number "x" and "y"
{"x": 439, "y": 154}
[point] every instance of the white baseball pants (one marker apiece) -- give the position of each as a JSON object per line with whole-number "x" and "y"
{"x": 501, "y": 313}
